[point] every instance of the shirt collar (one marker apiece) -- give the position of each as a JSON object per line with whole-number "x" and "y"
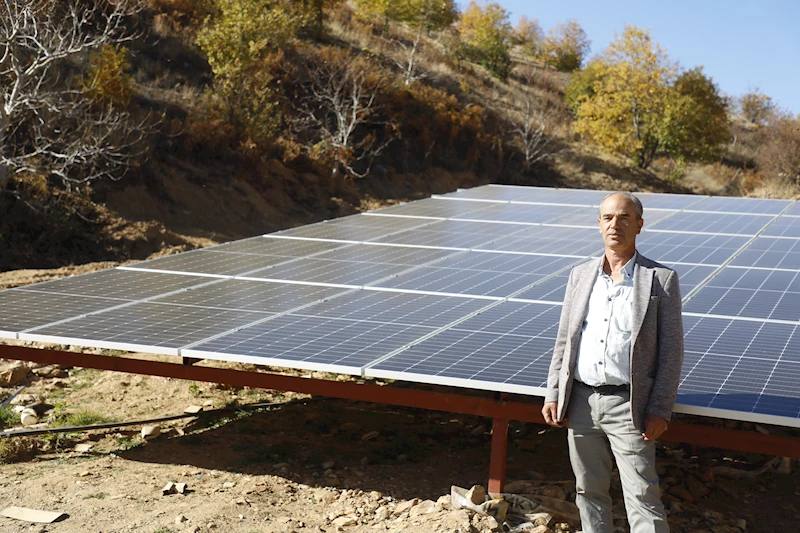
{"x": 627, "y": 270}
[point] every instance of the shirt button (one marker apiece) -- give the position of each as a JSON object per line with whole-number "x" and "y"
{"x": 601, "y": 342}
{"x": 609, "y": 299}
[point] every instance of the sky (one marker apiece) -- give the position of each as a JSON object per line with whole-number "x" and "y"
{"x": 742, "y": 45}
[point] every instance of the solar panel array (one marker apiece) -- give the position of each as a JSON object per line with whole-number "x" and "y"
{"x": 463, "y": 289}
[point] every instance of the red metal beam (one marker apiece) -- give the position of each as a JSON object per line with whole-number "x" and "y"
{"x": 497, "y": 464}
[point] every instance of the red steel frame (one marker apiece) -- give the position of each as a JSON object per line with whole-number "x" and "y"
{"x": 499, "y": 409}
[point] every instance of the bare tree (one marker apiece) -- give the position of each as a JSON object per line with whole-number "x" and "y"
{"x": 48, "y": 125}
{"x": 339, "y": 109}
{"x": 533, "y": 123}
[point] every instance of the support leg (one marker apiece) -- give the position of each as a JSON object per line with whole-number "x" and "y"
{"x": 497, "y": 466}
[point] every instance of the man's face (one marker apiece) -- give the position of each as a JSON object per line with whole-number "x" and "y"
{"x": 619, "y": 223}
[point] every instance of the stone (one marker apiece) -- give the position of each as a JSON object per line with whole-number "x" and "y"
{"x": 696, "y": 488}
{"x": 476, "y": 495}
{"x": 13, "y": 374}
{"x": 423, "y": 508}
{"x": 180, "y": 519}
{"x": 402, "y": 507}
{"x": 382, "y": 513}
{"x": 150, "y": 432}
{"x": 742, "y": 524}
{"x": 344, "y": 521}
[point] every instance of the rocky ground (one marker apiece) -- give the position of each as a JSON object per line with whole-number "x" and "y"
{"x": 257, "y": 461}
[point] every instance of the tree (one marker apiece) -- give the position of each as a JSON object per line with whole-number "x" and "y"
{"x": 339, "y": 109}
{"x": 696, "y": 117}
{"x": 565, "y": 46}
{"x": 631, "y": 93}
{"x": 757, "y": 107}
{"x": 528, "y": 34}
{"x": 48, "y": 125}
{"x": 241, "y": 44}
{"x": 316, "y": 14}
{"x": 533, "y": 122}
{"x": 779, "y": 156}
{"x": 487, "y": 30}
{"x": 420, "y": 16}
{"x": 582, "y": 85}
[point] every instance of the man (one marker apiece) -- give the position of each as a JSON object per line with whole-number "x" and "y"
{"x": 615, "y": 371}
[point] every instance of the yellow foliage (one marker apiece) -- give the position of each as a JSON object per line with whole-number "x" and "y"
{"x": 107, "y": 81}
{"x": 631, "y": 92}
{"x": 565, "y": 46}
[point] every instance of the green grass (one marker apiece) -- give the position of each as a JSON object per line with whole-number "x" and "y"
{"x": 95, "y": 495}
{"x": 8, "y": 417}
{"x": 81, "y": 417}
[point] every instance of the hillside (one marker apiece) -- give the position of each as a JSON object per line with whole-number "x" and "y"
{"x": 206, "y": 173}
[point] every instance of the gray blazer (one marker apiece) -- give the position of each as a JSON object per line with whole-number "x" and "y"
{"x": 656, "y": 338}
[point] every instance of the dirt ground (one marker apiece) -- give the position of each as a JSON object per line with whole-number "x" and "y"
{"x": 303, "y": 464}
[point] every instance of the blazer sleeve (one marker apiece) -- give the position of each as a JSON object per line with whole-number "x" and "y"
{"x": 561, "y": 341}
{"x": 670, "y": 349}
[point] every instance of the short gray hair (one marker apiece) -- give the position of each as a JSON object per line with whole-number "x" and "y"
{"x": 636, "y": 202}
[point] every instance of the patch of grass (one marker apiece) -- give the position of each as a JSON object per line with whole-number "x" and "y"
{"x": 8, "y": 417}
{"x": 95, "y": 495}
{"x": 165, "y": 530}
{"x": 194, "y": 389}
{"x": 81, "y": 417}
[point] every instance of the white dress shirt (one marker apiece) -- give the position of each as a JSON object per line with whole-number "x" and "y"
{"x": 604, "y": 355}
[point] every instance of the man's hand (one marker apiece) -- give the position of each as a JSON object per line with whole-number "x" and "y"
{"x": 654, "y": 426}
{"x": 550, "y": 413}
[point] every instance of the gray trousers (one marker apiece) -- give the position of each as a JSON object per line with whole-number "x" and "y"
{"x": 600, "y": 425}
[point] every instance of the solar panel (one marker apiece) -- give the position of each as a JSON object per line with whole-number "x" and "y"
{"x": 119, "y": 283}
{"x": 740, "y": 367}
{"x": 715, "y": 223}
{"x": 519, "y": 213}
{"x": 507, "y": 348}
{"x": 21, "y": 310}
{"x": 436, "y": 208}
{"x": 770, "y": 252}
{"x": 311, "y": 343}
{"x": 741, "y": 205}
{"x": 464, "y": 290}
{"x": 210, "y": 262}
{"x": 755, "y": 293}
{"x": 152, "y": 327}
{"x": 785, "y": 226}
{"x": 575, "y": 242}
{"x": 690, "y": 247}
{"x": 793, "y": 210}
{"x": 667, "y": 201}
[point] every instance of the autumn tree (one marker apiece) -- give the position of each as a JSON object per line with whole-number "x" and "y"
{"x": 565, "y": 46}
{"x": 315, "y": 14}
{"x": 779, "y": 155}
{"x": 50, "y": 125}
{"x": 528, "y": 35}
{"x": 486, "y": 30}
{"x": 631, "y": 95}
{"x": 696, "y": 118}
{"x": 241, "y": 43}
{"x": 757, "y": 107}
{"x": 419, "y": 16}
{"x": 338, "y": 110}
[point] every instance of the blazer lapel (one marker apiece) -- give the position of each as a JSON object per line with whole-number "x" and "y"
{"x": 642, "y": 285}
